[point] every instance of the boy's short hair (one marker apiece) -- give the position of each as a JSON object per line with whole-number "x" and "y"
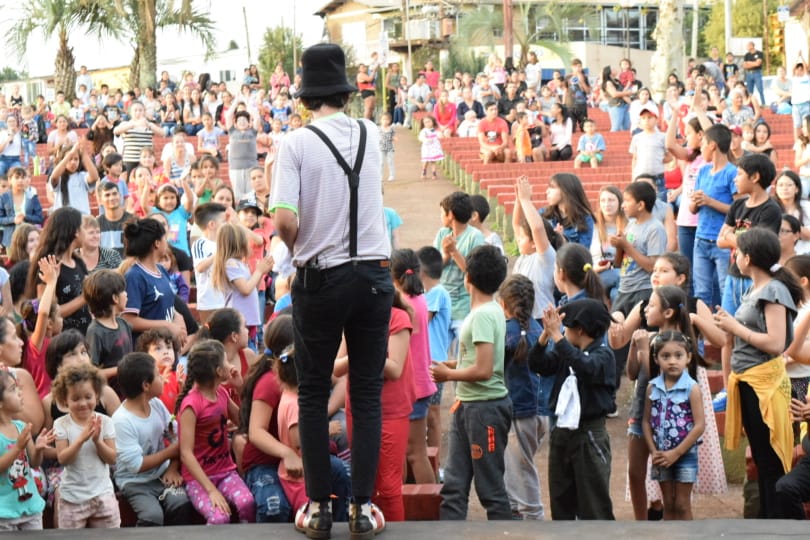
{"x": 241, "y": 114}
{"x": 111, "y": 159}
{"x": 758, "y": 163}
{"x": 17, "y": 171}
{"x": 486, "y": 268}
{"x": 588, "y": 121}
{"x": 106, "y": 186}
{"x": 134, "y": 369}
{"x": 459, "y": 204}
{"x": 720, "y": 135}
{"x": 99, "y": 288}
{"x": 206, "y": 213}
{"x": 642, "y": 192}
{"x": 480, "y": 205}
{"x": 155, "y": 335}
{"x": 431, "y": 262}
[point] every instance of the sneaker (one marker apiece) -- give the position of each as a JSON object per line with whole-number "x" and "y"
{"x": 314, "y": 520}
{"x": 365, "y": 520}
{"x": 390, "y": 178}
{"x": 719, "y": 401}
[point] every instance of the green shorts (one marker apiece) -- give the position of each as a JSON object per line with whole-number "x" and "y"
{"x": 585, "y": 158}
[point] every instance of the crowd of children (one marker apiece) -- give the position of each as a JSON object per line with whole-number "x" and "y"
{"x": 112, "y": 388}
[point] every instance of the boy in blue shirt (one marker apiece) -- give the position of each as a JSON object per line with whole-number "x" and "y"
{"x": 482, "y": 413}
{"x": 438, "y": 304}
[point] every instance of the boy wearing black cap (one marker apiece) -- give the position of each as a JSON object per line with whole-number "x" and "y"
{"x": 579, "y": 459}
{"x": 482, "y": 413}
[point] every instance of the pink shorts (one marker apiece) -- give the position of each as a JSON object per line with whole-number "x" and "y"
{"x": 100, "y": 512}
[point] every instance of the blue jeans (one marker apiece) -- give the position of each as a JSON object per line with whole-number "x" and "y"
{"x": 686, "y": 244}
{"x": 754, "y": 79}
{"x": 9, "y": 162}
{"x": 799, "y": 111}
{"x": 733, "y": 292}
{"x": 29, "y": 151}
{"x": 619, "y": 117}
{"x": 168, "y": 128}
{"x": 610, "y": 280}
{"x": 710, "y": 265}
{"x": 192, "y": 129}
{"x": 272, "y": 505}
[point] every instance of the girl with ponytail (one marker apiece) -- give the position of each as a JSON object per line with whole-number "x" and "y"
{"x": 212, "y": 482}
{"x": 575, "y": 275}
{"x": 405, "y": 269}
{"x": 522, "y": 480}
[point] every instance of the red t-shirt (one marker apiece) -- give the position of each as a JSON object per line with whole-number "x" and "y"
{"x": 212, "y": 448}
{"x": 493, "y": 130}
{"x": 397, "y": 396}
{"x": 171, "y": 389}
{"x": 35, "y": 365}
{"x": 268, "y": 391}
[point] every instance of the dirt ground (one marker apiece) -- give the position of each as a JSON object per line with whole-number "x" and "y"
{"x": 417, "y": 202}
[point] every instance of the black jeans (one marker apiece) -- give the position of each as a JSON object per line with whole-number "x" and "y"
{"x": 579, "y": 472}
{"x": 769, "y": 466}
{"x": 352, "y": 300}
{"x": 793, "y": 489}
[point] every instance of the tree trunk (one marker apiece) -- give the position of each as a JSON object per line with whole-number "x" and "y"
{"x": 65, "y": 68}
{"x": 668, "y": 35}
{"x": 135, "y": 68}
{"x": 147, "y": 43}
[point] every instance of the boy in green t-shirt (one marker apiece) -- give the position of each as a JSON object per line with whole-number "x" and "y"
{"x": 482, "y": 413}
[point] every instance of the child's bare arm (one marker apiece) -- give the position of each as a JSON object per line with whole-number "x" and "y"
{"x": 646, "y": 427}
{"x": 481, "y": 370}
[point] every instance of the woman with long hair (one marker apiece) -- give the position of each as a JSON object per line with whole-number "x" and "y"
{"x": 568, "y": 208}
{"x": 60, "y": 237}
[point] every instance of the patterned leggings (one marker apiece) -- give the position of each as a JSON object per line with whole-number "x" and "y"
{"x": 234, "y": 490}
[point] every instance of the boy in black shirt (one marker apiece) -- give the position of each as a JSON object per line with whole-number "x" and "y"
{"x": 579, "y": 457}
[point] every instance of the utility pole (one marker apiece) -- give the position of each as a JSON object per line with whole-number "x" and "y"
{"x": 508, "y": 42}
{"x": 247, "y": 36}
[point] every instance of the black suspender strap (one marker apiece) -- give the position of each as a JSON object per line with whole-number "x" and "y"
{"x": 354, "y": 179}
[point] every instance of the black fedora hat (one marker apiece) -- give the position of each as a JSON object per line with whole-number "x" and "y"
{"x": 324, "y": 72}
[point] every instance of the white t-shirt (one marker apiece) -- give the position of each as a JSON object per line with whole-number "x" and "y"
{"x": 136, "y": 438}
{"x": 649, "y": 149}
{"x": 539, "y": 268}
{"x": 87, "y": 476}
{"x": 800, "y": 90}
{"x": 207, "y": 296}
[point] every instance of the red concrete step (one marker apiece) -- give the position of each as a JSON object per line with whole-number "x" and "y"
{"x": 422, "y": 501}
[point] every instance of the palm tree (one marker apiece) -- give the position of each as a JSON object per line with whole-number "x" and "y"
{"x": 478, "y": 28}
{"x": 145, "y": 17}
{"x": 63, "y": 18}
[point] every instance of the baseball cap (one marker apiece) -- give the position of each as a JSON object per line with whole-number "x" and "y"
{"x": 588, "y": 314}
{"x": 249, "y": 204}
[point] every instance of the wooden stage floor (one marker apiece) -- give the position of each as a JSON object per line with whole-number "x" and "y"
{"x": 467, "y": 530}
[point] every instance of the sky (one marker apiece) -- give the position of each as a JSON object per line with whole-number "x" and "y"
{"x": 261, "y": 14}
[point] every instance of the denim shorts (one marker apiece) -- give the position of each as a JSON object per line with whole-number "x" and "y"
{"x": 420, "y": 408}
{"x": 683, "y": 471}
{"x": 634, "y": 429}
{"x": 436, "y": 399}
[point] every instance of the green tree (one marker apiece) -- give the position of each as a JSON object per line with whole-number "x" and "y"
{"x": 63, "y": 18}
{"x": 278, "y": 44}
{"x": 145, "y": 17}
{"x": 10, "y": 74}
{"x": 484, "y": 28}
{"x": 746, "y": 21}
